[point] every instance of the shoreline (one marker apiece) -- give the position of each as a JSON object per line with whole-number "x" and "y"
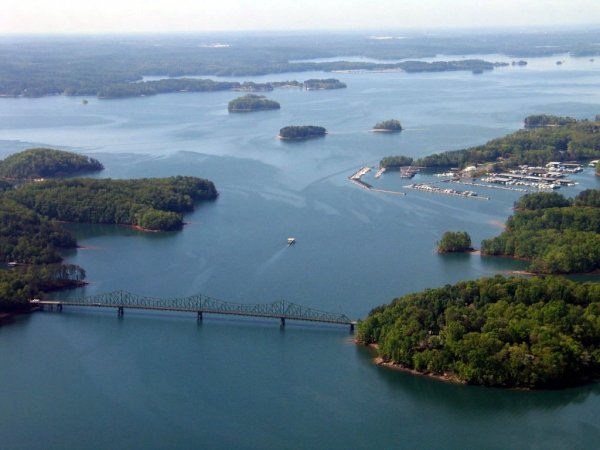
{"x": 378, "y": 361}
{"x": 473, "y": 251}
{"x": 537, "y": 274}
{"x": 281, "y": 138}
{"x": 446, "y": 377}
{"x": 385, "y": 130}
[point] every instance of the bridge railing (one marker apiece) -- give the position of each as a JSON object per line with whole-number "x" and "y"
{"x": 203, "y": 303}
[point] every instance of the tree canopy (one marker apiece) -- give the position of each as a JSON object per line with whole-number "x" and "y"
{"x": 545, "y": 120}
{"x": 21, "y": 284}
{"x": 388, "y": 125}
{"x": 149, "y": 203}
{"x": 324, "y": 84}
{"x": 542, "y": 200}
{"x": 252, "y": 102}
{"x": 26, "y": 237}
{"x": 555, "y": 234}
{"x": 573, "y": 141}
{"x": 395, "y": 162}
{"x": 297, "y": 132}
{"x": 454, "y": 241}
{"x": 508, "y": 332}
{"x": 46, "y": 163}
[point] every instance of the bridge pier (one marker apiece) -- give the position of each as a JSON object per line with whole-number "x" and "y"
{"x": 351, "y": 328}
{"x": 59, "y": 307}
{"x": 199, "y": 317}
{"x": 282, "y": 322}
{"x": 120, "y": 311}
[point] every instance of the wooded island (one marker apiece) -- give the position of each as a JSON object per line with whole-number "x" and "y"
{"x": 454, "y": 242}
{"x": 301, "y": 132}
{"x": 46, "y": 163}
{"x": 388, "y": 125}
{"x": 252, "y": 102}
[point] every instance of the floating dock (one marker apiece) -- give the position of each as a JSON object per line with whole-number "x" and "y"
{"x": 409, "y": 171}
{"x": 356, "y": 178}
{"x": 489, "y": 186}
{"x": 380, "y": 172}
{"x": 445, "y": 191}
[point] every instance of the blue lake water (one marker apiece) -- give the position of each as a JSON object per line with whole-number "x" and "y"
{"x": 87, "y": 379}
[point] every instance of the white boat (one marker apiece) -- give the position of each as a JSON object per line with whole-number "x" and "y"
{"x": 291, "y": 241}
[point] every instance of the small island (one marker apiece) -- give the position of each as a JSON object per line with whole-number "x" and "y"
{"x": 301, "y": 132}
{"x": 455, "y": 242}
{"x": 391, "y": 125}
{"x": 325, "y": 84}
{"x": 46, "y": 163}
{"x": 527, "y": 333}
{"x": 252, "y": 102}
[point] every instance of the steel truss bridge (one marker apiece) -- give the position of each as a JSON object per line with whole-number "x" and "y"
{"x": 201, "y": 304}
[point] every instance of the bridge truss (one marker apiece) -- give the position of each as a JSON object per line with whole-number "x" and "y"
{"x": 202, "y": 304}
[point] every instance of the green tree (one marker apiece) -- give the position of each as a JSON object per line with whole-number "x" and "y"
{"x": 388, "y": 125}
{"x": 454, "y": 241}
{"x": 509, "y": 332}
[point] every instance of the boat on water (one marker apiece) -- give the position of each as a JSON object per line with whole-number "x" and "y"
{"x": 291, "y": 241}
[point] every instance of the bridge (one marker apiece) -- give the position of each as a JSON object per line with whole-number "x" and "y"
{"x": 201, "y": 304}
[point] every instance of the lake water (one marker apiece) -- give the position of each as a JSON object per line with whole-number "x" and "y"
{"x": 87, "y": 379}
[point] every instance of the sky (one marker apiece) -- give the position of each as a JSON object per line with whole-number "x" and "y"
{"x": 100, "y": 16}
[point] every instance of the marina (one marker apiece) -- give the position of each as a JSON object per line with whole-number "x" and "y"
{"x": 534, "y": 181}
{"x": 356, "y": 178}
{"x": 488, "y": 186}
{"x": 445, "y": 191}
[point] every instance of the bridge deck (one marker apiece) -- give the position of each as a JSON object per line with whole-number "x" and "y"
{"x": 201, "y": 304}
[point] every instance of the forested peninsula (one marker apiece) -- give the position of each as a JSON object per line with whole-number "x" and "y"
{"x": 31, "y": 243}
{"x": 171, "y": 85}
{"x": 46, "y": 163}
{"x": 35, "y": 66}
{"x": 129, "y": 84}
{"x": 108, "y": 69}
{"x": 557, "y": 235}
{"x": 31, "y": 238}
{"x": 149, "y": 203}
{"x": 558, "y": 139}
{"x": 507, "y": 332}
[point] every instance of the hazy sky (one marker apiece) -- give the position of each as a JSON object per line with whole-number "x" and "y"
{"x": 212, "y": 15}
